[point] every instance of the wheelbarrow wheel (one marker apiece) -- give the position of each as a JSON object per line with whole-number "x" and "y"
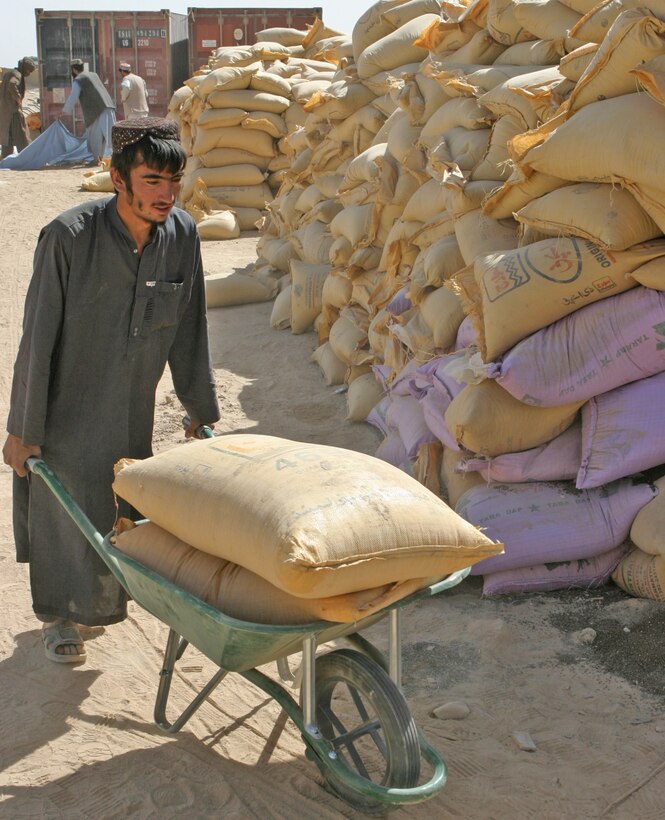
{"x": 365, "y": 717}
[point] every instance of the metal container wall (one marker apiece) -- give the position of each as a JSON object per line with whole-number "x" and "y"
{"x": 211, "y": 28}
{"x": 154, "y": 43}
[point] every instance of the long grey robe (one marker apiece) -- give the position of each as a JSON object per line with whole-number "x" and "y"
{"x": 13, "y": 128}
{"x": 100, "y": 325}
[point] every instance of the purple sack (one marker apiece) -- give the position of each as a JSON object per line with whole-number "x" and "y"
{"x": 467, "y": 335}
{"x": 400, "y": 302}
{"x": 622, "y": 432}
{"x": 585, "y": 573}
{"x": 541, "y": 522}
{"x": 442, "y": 390}
{"x": 406, "y": 416}
{"x": 392, "y": 450}
{"x": 377, "y": 415}
{"x": 598, "y": 348}
{"x": 558, "y": 460}
{"x": 434, "y": 406}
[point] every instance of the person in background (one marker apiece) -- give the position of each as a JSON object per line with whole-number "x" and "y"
{"x": 134, "y": 93}
{"x": 117, "y": 292}
{"x": 13, "y": 127}
{"x": 97, "y": 106}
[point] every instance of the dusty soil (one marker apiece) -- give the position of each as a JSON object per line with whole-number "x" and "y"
{"x": 80, "y": 742}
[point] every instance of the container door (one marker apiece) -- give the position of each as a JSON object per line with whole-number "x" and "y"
{"x": 62, "y": 39}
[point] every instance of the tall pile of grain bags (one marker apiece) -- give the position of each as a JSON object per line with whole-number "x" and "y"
{"x": 235, "y": 115}
{"x": 558, "y": 322}
{"x": 472, "y": 223}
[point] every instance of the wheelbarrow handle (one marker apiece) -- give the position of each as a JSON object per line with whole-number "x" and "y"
{"x": 202, "y": 431}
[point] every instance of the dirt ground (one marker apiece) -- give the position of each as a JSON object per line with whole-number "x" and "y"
{"x": 79, "y": 742}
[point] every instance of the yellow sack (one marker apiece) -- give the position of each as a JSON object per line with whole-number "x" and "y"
{"x": 442, "y": 312}
{"x": 237, "y": 289}
{"x": 249, "y": 100}
{"x": 526, "y": 289}
{"x": 394, "y": 49}
{"x": 241, "y": 196}
{"x": 218, "y": 225}
{"x": 648, "y": 529}
{"x": 332, "y": 368}
{"x": 598, "y": 144}
{"x": 453, "y": 483}
{"x": 100, "y": 181}
{"x": 280, "y": 316}
{"x": 242, "y": 594}
{"x": 635, "y": 38}
{"x": 485, "y": 419}
{"x": 478, "y": 234}
{"x": 596, "y": 211}
{"x": 641, "y": 575}
{"x": 573, "y": 65}
{"x": 306, "y": 293}
{"x": 363, "y": 394}
{"x": 313, "y": 520}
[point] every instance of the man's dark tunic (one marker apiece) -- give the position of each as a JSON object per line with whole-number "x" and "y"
{"x": 100, "y": 325}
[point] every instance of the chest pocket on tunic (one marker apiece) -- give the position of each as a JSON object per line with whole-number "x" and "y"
{"x": 161, "y": 309}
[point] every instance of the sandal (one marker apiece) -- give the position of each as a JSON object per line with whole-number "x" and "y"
{"x": 62, "y": 633}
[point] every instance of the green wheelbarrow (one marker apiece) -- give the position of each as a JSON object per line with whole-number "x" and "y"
{"x": 352, "y": 715}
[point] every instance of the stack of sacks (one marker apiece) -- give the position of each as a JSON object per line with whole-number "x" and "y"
{"x": 211, "y": 223}
{"x": 558, "y": 319}
{"x": 236, "y": 120}
{"x": 233, "y": 121}
{"x": 338, "y": 535}
{"x": 458, "y": 162}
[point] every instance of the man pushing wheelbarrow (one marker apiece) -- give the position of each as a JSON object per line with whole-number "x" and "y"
{"x": 117, "y": 292}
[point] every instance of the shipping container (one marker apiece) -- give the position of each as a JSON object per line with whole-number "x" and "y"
{"x": 153, "y": 42}
{"x": 212, "y": 28}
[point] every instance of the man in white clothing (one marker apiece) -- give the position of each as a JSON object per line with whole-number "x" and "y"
{"x": 134, "y": 93}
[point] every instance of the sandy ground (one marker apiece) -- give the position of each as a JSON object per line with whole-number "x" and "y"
{"x": 79, "y": 742}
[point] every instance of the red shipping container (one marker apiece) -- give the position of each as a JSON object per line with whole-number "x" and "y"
{"x": 212, "y": 28}
{"x": 153, "y": 42}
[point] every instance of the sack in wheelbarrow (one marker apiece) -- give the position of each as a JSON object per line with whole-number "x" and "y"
{"x": 243, "y": 594}
{"x": 315, "y": 521}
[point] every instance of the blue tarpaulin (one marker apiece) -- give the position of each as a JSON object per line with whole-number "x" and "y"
{"x": 55, "y": 146}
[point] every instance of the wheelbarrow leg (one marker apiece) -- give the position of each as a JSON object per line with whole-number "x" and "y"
{"x": 173, "y": 652}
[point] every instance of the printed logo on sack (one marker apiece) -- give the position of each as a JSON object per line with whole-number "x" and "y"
{"x": 604, "y": 284}
{"x": 504, "y": 277}
{"x": 557, "y": 260}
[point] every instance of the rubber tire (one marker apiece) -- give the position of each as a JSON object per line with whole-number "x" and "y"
{"x": 400, "y": 735}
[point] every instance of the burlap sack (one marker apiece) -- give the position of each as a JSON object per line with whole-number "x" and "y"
{"x": 634, "y": 38}
{"x": 332, "y": 368}
{"x": 363, "y": 394}
{"x": 641, "y": 575}
{"x": 280, "y": 315}
{"x": 218, "y": 225}
{"x": 485, "y": 419}
{"x": 454, "y": 482}
{"x": 596, "y": 211}
{"x": 237, "y": 289}
{"x": 524, "y": 290}
{"x": 306, "y": 293}
{"x": 313, "y": 520}
{"x": 101, "y": 181}
{"x": 597, "y": 145}
{"x": 242, "y": 594}
{"x": 648, "y": 529}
